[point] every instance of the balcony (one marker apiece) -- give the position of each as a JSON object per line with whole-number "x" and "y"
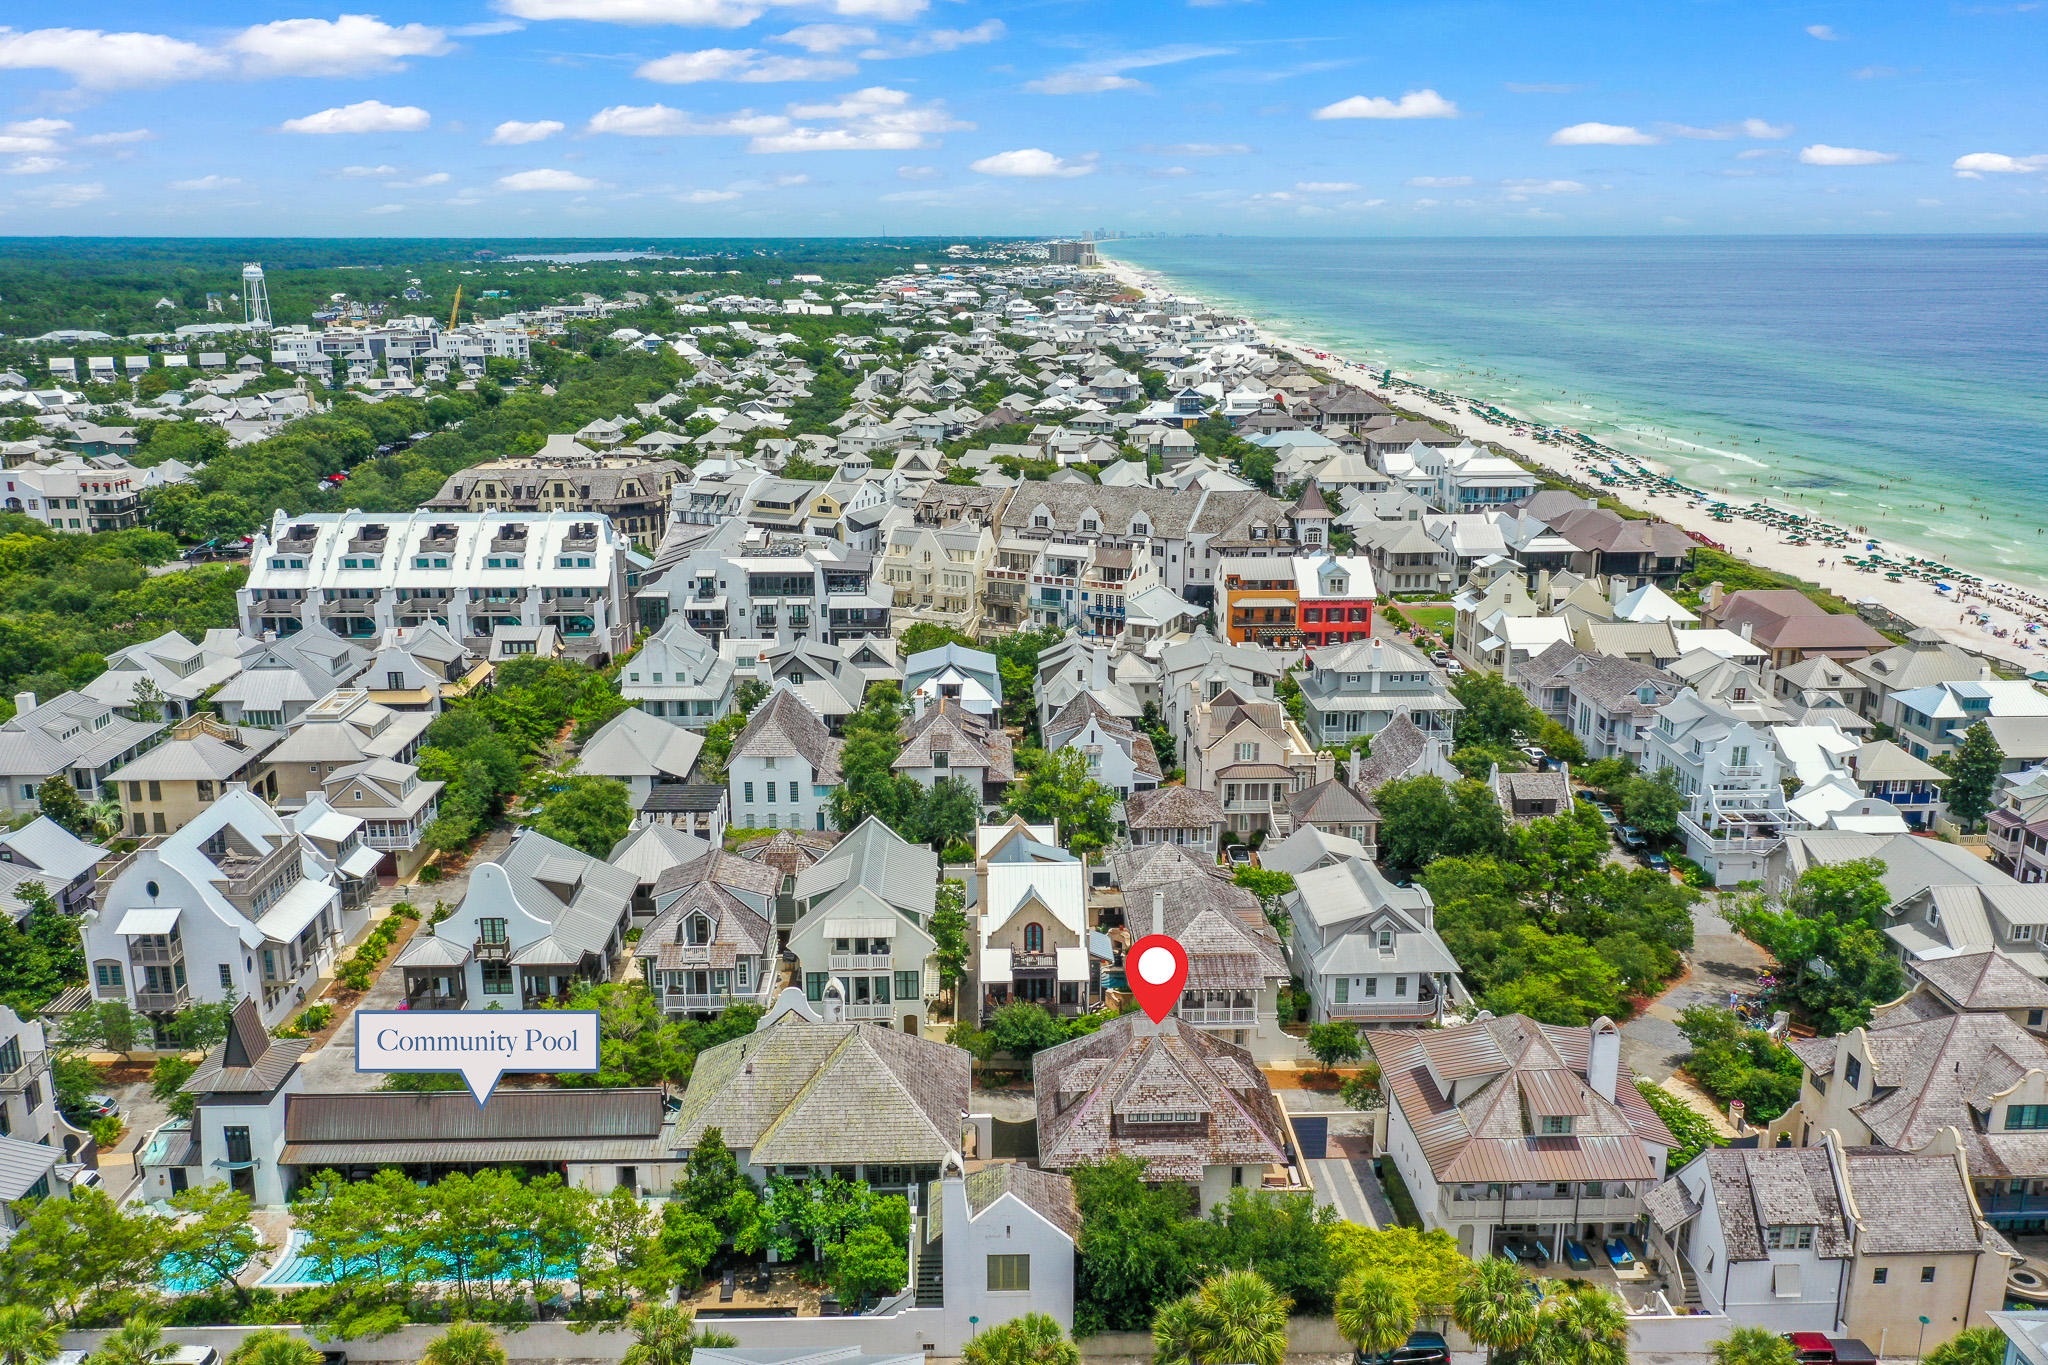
{"x": 488, "y": 950}
{"x": 33, "y": 1064}
{"x": 878, "y": 1012}
{"x": 1219, "y": 1016}
{"x": 1250, "y": 807}
{"x": 703, "y": 1002}
{"x": 163, "y": 1002}
{"x": 860, "y": 962}
{"x": 437, "y": 1000}
{"x": 1583, "y": 1210}
{"x": 1422, "y": 1007}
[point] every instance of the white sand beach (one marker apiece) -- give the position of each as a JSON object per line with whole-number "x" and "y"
{"x": 1997, "y": 606}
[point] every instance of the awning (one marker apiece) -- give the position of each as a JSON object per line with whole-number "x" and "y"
{"x": 287, "y": 919}
{"x": 860, "y": 928}
{"x": 1072, "y": 963}
{"x": 362, "y": 862}
{"x": 995, "y": 966}
{"x": 333, "y": 826}
{"x": 1262, "y": 602}
{"x": 148, "y": 921}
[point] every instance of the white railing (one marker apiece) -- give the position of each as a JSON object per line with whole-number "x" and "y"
{"x": 860, "y": 962}
{"x": 1396, "y": 1008}
{"x": 1214, "y": 1015}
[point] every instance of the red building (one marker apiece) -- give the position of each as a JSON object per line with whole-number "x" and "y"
{"x": 1334, "y": 599}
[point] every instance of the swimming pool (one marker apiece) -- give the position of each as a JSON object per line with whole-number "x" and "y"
{"x": 297, "y": 1270}
{"x": 178, "y": 1273}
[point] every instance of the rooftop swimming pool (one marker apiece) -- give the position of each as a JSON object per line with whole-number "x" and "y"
{"x": 297, "y": 1270}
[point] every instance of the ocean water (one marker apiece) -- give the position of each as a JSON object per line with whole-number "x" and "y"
{"x": 1896, "y": 383}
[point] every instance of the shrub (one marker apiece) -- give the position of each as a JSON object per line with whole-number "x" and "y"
{"x": 1692, "y": 1129}
{"x": 430, "y": 874}
{"x": 1732, "y": 1061}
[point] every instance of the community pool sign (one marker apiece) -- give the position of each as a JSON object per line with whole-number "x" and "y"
{"x": 480, "y": 1044}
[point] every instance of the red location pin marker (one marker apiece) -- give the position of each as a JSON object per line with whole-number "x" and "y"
{"x": 1157, "y": 968}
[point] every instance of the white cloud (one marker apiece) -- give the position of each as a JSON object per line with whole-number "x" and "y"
{"x": 366, "y": 172}
{"x": 436, "y": 178}
{"x": 1438, "y": 182}
{"x": 1414, "y": 104}
{"x": 205, "y": 182}
{"x": 919, "y": 173}
{"x": 1754, "y": 128}
{"x": 1032, "y": 163}
{"x": 1520, "y": 190}
{"x": 1602, "y": 135}
{"x": 1168, "y": 172}
{"x": 65, "y": 196}
{"x": 702, "y": 13}
{"x": 1196, "y": 149}
{"x": 36, "y": 165}
{"x": 1998, "y": 163}
{"x": 941, "y": 40}
{"x": 1760, "y": 153}
{"x": 385, "y": 208}
{"x": 367, "y": 116}
{"x": 120, "y": 139}
{"x": 108, "y": 61}
{"x": 514, "y": 133}
{"x": 1873, "y": 73}
{"x": 352, "y": 45}
{"x": 708, "y": 196}
{"x": 658, "y": 120}
{"x": 876, "y": 118}
{"x": 823, "y": 39}
{"x": 547, "y": 180}
{"x": 1102, "y": 74}
{"x": 1820, "y": 154}
{"x": 1326, "y": 186}
{"x": 1823, "y": 32}
{"x": 740, "y": 64}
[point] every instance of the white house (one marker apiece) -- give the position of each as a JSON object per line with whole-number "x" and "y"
{"x": 1366, "y": 950}
{"x": 783, "y": 768}
{"x": 967, "y": 677}
{"x": 679, "y": 676}
{"x": 864, "y": 924}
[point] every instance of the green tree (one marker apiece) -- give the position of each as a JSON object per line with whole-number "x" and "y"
{"x": 946, "y": 814}
{"x": 274, "y": 1346}
{"x": 28, "y": 1336}
{"x": 214, "y": 1238}
{"x": 1732, "y": 1061}
{"x": 1971, "y": 1346}
{"x": 1132, "y": 1256}
{"x": 865, "y": 1264}
{"x": 1827, "y": 933}
{"x": 1021, "y": 1029}
{"x": 1234, "y": 1318}
{"x": 1057, "y": 790}
{"x": 1375, "y": 1313}
{"x": 1552, "y": 978}
{"x": 1271, "y": 888}
{"x": 1496, "y": 715}
{"x": 667, "y": 1334}
{"x": 1580, "y": 1325}
{"x": 587, "y": 813}
{"x": 1495, "y": 1306}
{"x": 1285, "y": 1236}
{"x": 1762, "y": 1346}
{"x": 1973, "y": 771}
{"x": 464, "y": 1343}
{"x": 1334, "y": 1043}
{"x": 1425, "y": 818}
{"x": 1033, "y": 1339}
{"x": 1652, "y": 803}
{"x": 137, "y": 1341}
{"x": 948, "y": 927}
{"x": 59, "y": 800}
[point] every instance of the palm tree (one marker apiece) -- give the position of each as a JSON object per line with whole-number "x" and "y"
{"x": 1034, "y": 1339}
{"x": 1244, "y": 1320}
{"x": 1174, "y": 1330}
{"x": 1375, "y": 1311}
{"x": 665, "y": 1334}
{"x": 1495, "y": 1306}
{"x": 1761, "y": 1346}
{"x": 138, "y": 1341}
{"x": 1975, "y": 1346}
{"x": 28, "y": 1336}
{"x": 1582, "y": 1325}
{"x": 274, "y": 1346}
{"x": 464, "y": 1343}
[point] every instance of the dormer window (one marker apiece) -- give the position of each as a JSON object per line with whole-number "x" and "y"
{"x": 1789, "y": 1237}
{"x": 1554, "y": 1125}
{"x": 1386, "y": 940}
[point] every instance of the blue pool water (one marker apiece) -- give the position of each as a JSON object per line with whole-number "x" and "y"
{"x": 177, "y": 1274}
{"x": 298, "y": 1270}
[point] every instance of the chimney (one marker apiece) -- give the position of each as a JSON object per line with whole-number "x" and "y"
{"x": 24, "y": 702}
{"x": 1603, "y": 1057}
{"x": 1158, "y": 909}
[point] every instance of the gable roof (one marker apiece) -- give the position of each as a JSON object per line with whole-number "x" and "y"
{"x": 784, "y": 726}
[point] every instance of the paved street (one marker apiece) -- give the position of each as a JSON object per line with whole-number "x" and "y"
{"x": 1722, "y": 962}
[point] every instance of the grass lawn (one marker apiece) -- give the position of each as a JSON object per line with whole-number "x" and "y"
{"x": 1438, "y": 619}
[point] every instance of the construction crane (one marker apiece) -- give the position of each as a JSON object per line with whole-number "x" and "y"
{"x": 456, "y": 309}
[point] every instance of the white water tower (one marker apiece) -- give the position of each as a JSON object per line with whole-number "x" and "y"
{"x": 255, "y": 296}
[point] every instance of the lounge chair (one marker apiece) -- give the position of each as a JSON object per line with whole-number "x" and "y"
{"x": 1576, "y": 1253}
{"x": 1618, "y": 1254}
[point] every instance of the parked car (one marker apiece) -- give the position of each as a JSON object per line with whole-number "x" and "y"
{"x": 1631, "y": 837}
{"x": 1607, "y": 815}
{"x": 92, "y": 1107}
{"x": 1238, "y": 855}
{"x": 1657, "y": 862}
{"x": 1421, "y": 1348}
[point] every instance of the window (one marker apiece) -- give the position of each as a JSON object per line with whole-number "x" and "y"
{"x": 1852, "y": 1072}
{"x": 2022, "y": 933}
{"x": 497, "y": 976}
{"x": 1343, "y": 990}
{"x": 1248, "y": 753}
{"x": 1789, "y": 1237}
{"x": 107, "y": 975}
{"x": 1880, "y": 1275}
{"x": 1386, "y": 939}
{"x": 227, "y": 978}
{"x": 814, "y": 985}
{"x": 1034, "y": 938}
{"x": 1009, "y": 1272}
{"x": 792, "y": 792}
{"x": 1927, "y": 1274}
{"x": 394, "y": 680}
{"x": 2025, "y": 1117}
{"x": 909, "y": 985}
{"x": 1553, "y": 1125}
{"x": 749, "y": 789}
{"x": 490, "y": 931}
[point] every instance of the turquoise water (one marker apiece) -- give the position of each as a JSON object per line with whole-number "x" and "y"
{"x": 1897, "y": 383}
{"x": 177, "y": 1274}
{"x": 297, "y": 1270}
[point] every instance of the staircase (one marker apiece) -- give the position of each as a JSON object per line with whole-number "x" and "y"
{"x": 931, "y": 1275}
{"x": 1688, "y": 1296}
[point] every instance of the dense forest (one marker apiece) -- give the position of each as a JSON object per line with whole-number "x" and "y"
{"x": 114, "y": 284}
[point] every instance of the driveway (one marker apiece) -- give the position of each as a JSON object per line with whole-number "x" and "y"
{"x": 1723, "y": 962}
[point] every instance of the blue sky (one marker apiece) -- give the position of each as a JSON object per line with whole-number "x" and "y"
{"x": 840, "y": 117}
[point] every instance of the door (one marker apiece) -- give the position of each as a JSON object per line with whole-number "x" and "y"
{"x": 177, "y": 1180}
